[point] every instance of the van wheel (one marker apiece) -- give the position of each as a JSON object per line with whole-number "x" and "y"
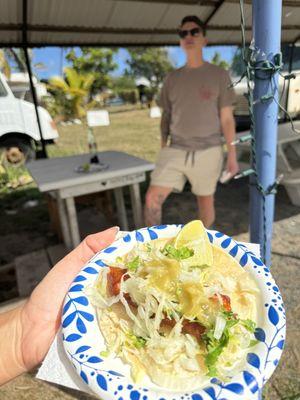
{"x": 16, "y": 153}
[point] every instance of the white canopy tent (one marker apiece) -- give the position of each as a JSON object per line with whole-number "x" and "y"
{"x": 37, "y": 23}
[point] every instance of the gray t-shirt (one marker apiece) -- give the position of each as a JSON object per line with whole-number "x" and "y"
{"x": 191, "y": 99}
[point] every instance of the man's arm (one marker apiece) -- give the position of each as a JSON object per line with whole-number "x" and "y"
{"x": 166, "y": 114}
{"x": 228, "y": 129}
{"x": 165, "y": 127}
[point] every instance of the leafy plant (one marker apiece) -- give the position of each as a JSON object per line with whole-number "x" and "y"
{"x": 96, "y": 61}
{"x": 71, "y": 92}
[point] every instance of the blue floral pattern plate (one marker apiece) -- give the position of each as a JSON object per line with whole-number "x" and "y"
{"x": 110, "y": 378}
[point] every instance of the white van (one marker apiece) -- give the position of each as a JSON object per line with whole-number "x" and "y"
{"x": 19, "y": 129}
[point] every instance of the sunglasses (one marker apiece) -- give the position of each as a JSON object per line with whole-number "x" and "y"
{"x": 183, "y": 33}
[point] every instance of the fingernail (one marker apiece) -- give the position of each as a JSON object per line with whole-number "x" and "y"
{"x": 116, "y": 228}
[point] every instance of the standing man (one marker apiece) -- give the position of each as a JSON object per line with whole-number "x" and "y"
{"x": 197, "y": 108}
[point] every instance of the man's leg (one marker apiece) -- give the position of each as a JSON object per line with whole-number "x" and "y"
{"x": 155, "y": 197}
{"x": 206, "y": 209}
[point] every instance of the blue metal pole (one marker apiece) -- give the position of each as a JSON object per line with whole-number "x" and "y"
{"x": 266, "y": 21}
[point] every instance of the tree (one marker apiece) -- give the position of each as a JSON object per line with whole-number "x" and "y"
{"x": 124, "y": 82}
{"x": 96, "y": 61}
{"x": 152, "y": 63}
{"x": 71, "y": 92}
{"x": 125, "y": 87}
{"x": 14, "y": 59}
{"x": 216, "y": 60}
{"x": 4, "y": 64}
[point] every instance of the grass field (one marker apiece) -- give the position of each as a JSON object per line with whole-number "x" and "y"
{"x": 131, "y": 130}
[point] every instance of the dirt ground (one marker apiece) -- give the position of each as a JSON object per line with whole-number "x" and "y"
{"x": 232, "y": 218}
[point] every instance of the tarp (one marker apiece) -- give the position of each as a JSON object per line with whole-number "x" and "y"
{"x": 127, "y": 22}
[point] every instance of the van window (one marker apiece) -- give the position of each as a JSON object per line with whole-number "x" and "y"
{"x": 3, "y": 91}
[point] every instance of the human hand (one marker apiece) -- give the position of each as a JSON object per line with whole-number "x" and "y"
{"x": 232, "y": 166}
{"x": 40, "y": 316}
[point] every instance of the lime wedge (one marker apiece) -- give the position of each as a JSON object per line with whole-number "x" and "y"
{"x": 193, "y": 235}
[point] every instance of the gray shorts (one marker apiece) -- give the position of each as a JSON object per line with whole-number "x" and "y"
{"x": 202, "y": 168}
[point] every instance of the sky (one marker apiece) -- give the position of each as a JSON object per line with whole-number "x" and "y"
{"x": 54, "y": 60}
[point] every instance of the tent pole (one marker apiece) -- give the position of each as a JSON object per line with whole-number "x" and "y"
{"x": 43, "y": 152}
{"x": 267, "y": 34}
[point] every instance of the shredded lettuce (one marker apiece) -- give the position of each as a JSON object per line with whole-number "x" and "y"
{"x": 219, "y": 327}
{"x": 159, "y": 295}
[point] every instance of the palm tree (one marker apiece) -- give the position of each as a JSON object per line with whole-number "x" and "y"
{"x": 4, "y": 64}
{"x": 75, "y": 87}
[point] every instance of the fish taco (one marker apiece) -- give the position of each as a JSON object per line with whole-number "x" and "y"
{"x": 179, "y": 310}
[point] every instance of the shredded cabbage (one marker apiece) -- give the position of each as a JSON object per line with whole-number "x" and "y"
{"x": 177, "y": 325}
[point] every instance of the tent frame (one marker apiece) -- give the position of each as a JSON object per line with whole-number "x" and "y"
{"x": 267, "y": 30}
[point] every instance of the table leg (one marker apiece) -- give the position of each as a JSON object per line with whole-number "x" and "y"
{"x": 64, "y": 222}
{"x": 283, "y": 164}
{"x": 118, "y": 192}
{"x": 73, "y": 223}
{"x": 296, "y": 146}
{"x": 136, "y": 205}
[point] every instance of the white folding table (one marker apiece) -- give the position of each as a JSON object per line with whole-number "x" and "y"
{"x": 58, "y": 177}
{"x": 285, "y": 136}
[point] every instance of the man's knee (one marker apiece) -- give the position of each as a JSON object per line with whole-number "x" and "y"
{"x": 154, "y": 198}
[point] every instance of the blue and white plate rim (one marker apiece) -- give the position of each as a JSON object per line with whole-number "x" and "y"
{"x": 79, "y": 318}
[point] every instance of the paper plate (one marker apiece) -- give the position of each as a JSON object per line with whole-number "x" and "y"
{"x": 110, "y": 378}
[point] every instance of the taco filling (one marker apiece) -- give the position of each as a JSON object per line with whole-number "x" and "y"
{"x": 179, "y": 310}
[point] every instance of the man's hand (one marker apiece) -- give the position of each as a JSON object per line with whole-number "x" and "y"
{"x": 232, "y": 165}
{"x": 27, "y": 332}
{"x": 164, "y": 142}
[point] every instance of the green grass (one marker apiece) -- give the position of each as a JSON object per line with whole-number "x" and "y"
{"x": 130, "y": 130}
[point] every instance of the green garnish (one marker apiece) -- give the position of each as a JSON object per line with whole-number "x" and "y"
{"x": 230, "y": 318}
{"x": 249, "y": 325}
{"x": 134, "y": 264}
{"x": 215, "y": 346}
{"x": 104, "y": 353}
{"x": 178, "y": 254}
{"x": 137, "y": 341}
{"x": 148, "y": 247}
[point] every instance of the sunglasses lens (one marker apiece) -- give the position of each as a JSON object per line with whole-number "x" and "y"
{"x": 183, "y": 34}
{"x": 195, "y": 31}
